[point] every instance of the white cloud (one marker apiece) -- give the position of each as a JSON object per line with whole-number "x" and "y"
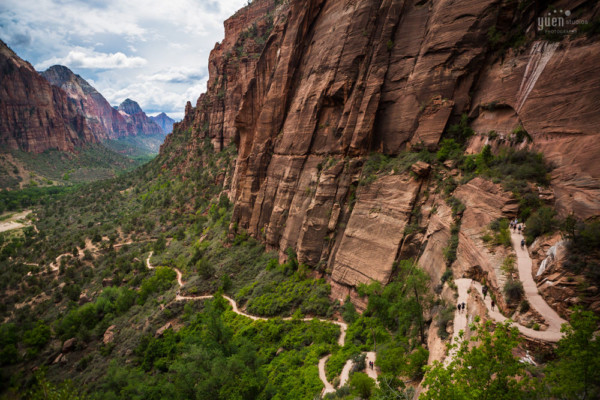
{"x": 85, "y": 58}
{"x": 152, "y": 51}
{"x": 178, "y": 75}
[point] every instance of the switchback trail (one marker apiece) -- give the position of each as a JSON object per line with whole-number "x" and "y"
{"x": 328, "y": 387}
{"x": 524, "y": 265}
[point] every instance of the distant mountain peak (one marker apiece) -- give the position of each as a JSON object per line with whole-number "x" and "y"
{"x": 59, "y": 75}
{"x": 130, "y": 107}
{"x": 164, "y": 121}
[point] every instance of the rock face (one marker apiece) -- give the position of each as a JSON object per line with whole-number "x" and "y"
{"x": 34, "y": 115}
{"x": 308, "y": 89}
{"x": 164, "y": 121}
{"x": 130, "y": 107}
{"x": 372, "y": 238}
{"x": 103, "y": 120}
{"x": 138, "y": 123}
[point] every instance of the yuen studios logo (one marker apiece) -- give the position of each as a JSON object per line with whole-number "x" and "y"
{"x": 558, "y": 22}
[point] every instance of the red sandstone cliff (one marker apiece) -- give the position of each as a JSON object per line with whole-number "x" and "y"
{"x": 104, "y": 121}
{"x": 331, "y": 81}
{"x": 34, "y": 115}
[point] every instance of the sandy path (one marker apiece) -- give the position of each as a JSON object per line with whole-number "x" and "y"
{"x": 345, "y": 375}
{"x": 12, "y": 223}
{"x": 524, "y": 265}
{"x": 460, "y": 318}
{"x": 372, "y": 372}
{"x": 328, "y": 387}
{"x": 534, "y": 298}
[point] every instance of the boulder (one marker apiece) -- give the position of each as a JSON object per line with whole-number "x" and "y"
{"x": 162, "y": 329}
{"x": 69, "y": 345}
{"x": 83, "y": 298}
{"x": 421, "y": 168}
{"x": 109, "y": 335}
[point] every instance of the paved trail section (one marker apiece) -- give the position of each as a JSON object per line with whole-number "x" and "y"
{"x": 14, "y": 221}
{"x": 460, "y": 317}
{"x": 532, "y": 294}
{"x": 524, "y": 265}
{"x": 328, "y": 387}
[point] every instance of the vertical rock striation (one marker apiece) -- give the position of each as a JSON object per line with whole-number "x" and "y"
{"x": 34, "y": 115}
{"x": 308, "y": 89}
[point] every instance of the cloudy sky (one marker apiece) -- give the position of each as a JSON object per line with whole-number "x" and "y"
{"x": 152, "y": 51}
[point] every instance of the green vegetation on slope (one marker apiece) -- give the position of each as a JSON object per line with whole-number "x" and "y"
{"x": 485, "y": 366}
{"x": 86, "y": 164}
{"x": 102, "y": 282}
{"x": 221, "y": 355}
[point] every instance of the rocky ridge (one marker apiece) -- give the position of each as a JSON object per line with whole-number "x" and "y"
{"x": 105, "y": 121}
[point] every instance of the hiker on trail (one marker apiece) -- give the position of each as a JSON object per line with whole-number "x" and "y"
{"x": 492, "y": 305}
{"x": 371, "y": 364}
{"x": 519, "y": 228}
{"x": 458, "y": 307}
{"x": 463, "y": 306}
{"x": 522, "y": 243}
{"x": 484, "y": 290}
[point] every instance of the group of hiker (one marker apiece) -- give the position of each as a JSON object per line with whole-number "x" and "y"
{"x": 371, "y": 364}
{"x": 461, "y": 307}
{"x": 515, "y": 225}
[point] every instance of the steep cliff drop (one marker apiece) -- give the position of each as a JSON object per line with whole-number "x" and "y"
{"x": 307, "y": 89}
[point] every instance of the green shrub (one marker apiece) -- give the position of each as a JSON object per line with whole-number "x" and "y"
{"x": 161, "y": 280}
{"x": 349, "y": 313}
{"x": 362, "y": 385}
{"x": 447, "y": 275}
{"x": 508, "y": 265}
{"x": 461, "y": 131}
{"x": 513, "y": 290}
{"x": 520, "y": 134}
{"x": 8, "y": 344}
{"x": 449, "y": 150}
{"x": 501, "y": 233}
{"x": 445, "y": 316}
{"x": 416, "y": 363}
{"x": 36, "y": 338}
{"x": 452, "y": 246}
{"x": 457, "y": 206}
{"x": 541, "y": 222}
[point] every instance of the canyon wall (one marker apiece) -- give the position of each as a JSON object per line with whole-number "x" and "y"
{"x": 104, "y": 121}
{"x": 308, "y": 89}
{"x": 59, "y": 110}
{"x": 34, "y": 115}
